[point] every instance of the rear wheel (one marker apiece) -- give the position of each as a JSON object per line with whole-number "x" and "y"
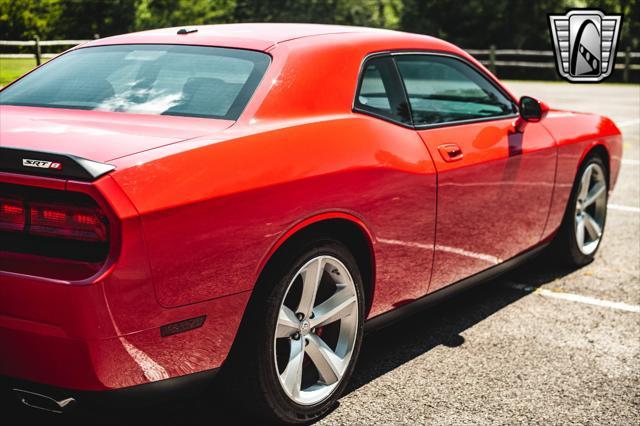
{"x": 302, "y": 343}
{"x": 583, "y": 225}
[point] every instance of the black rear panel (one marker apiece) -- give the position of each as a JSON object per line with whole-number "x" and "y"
{"x": 38, "y": 163}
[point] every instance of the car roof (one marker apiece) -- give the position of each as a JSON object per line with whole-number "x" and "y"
{"x": 255, "y": 36}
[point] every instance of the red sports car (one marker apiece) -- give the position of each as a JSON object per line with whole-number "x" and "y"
{"x": 251, "y": 198}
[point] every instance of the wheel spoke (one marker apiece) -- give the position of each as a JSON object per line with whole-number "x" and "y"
{"x": 592, "y": 227}
{"x": 288, "y": 323}
{"x": 310, "y": 282}
{"x": 584, "y": 184}
{"x": 595, "y": 193}
{"x": 338, "y": 306}
{"x": 302, "y": 325}
{"x": 292, "y": 375}
{"x": 329, "y": 364}
{"x": 580, "y": 232}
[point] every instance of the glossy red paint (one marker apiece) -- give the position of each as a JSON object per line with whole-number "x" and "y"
{"x": 485, "y": 190}
{"x": 87, "y": 133}
{"x": 198, "y": 206}
{"x": 305, "y": 223}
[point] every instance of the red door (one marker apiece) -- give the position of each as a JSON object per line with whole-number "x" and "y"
{"x": 494, "y": 184}
{"x": 493, "y": 202}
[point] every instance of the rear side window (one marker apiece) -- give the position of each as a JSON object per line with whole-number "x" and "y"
{"x": 443, "y": 90}
{"x": 194, "y": 81}
{"x": 380, "y": 91}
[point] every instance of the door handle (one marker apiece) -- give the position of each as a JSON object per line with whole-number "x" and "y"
{"x": 450, "y": 152}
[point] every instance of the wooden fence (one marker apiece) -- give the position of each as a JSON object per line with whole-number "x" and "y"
{"x": 37, "y": 45}
{"x": 492, "y": 57}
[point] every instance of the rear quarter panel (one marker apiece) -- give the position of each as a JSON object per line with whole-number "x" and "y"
{"x": 211, "y": 214}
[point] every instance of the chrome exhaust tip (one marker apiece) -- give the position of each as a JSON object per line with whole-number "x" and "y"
{"x": 44, "y": 402}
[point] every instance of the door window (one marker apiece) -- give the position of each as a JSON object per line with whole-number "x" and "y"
{"x": 443, "y": 90}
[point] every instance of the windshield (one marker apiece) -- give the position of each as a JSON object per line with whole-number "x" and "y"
{"x": 194, "y": 81}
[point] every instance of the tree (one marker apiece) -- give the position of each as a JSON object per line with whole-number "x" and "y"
{"x": 506, "y": 23}
{"x": 24, "y": 19}
{"x": 169, "y": 13}
{"x": 468, "y": 23}
{"x": 374, "y": 13}
{"x": 84, "y": 19}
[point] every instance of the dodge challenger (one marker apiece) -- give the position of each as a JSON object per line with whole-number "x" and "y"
{"x": 249, "y": 199}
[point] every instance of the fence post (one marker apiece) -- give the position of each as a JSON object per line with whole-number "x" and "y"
{"x": 38, "y": 53}
{"x": 627, "y": 64}
{"x": 492, "y": 59}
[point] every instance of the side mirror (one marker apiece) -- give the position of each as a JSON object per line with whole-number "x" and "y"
{"x": 531, "y": 111}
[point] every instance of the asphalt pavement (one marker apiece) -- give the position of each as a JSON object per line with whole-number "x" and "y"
{"x": 543, "y": 344}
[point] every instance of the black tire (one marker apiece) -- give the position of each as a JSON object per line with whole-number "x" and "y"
{"x": 565, "y": 248}
{"x": 250, "y": 373}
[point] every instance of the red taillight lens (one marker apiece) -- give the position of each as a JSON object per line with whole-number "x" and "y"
{"x": 61, "y": 221}
{"x": 12, "y": 215}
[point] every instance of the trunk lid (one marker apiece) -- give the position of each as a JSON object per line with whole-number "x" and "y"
{"x": 96, "y": 135}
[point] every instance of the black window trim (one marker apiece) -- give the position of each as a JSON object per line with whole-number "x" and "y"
{"x": 394, "y": 53}
{"x": 399, "y": 81}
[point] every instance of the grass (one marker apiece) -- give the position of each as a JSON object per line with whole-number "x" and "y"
{"x": 10, "y": 69}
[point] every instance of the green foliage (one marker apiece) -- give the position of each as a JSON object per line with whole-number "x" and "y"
{"x": 168, "y": 13}
{"x": 468, "y": 23}
{"x": 506, "y": 23}
{"x": 23, "y": 19}
{"x": 86, "y": 19}
{"x": 373, "y": 13}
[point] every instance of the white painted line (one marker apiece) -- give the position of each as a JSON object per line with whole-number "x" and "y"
{"x": 589, "y": 300}
{"x": 628, "y": 123}
{"x": 630, "y": 162}
{"x": 624, "y": 208}
{"x": 577, "y": 298}
{"x": 455, "y": 250}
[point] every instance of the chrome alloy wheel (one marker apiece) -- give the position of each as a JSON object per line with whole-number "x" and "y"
{"x": 316, "y": 331}
{"x": 591, "y": 208}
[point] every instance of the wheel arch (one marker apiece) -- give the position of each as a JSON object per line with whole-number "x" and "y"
{"x": 344, "y": 227}
{"x": 600, "y": 150}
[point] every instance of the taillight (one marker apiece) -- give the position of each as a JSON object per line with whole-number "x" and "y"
{"x": 53, "y": 223}
{"x": 57, "y": 220}
{"x": 77, "y": 223}
{"x": 12, "y": 215}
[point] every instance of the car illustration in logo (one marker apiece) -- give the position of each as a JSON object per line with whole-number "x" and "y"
{"x": 585, "y": 44}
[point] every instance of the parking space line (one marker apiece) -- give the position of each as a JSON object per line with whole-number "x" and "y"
{"x": 624, "y": 208}
{"x": 628, "y": 123}
{"x": 630, "y": 162}
{"x": 576, "y": 298}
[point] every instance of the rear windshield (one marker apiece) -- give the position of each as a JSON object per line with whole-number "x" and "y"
{"x": 193, "y": 81}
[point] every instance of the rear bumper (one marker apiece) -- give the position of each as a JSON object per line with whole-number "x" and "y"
{"x": 52, "y": 332}
{"x": 62, "y": 400}
{"x": 69, "y": 336}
